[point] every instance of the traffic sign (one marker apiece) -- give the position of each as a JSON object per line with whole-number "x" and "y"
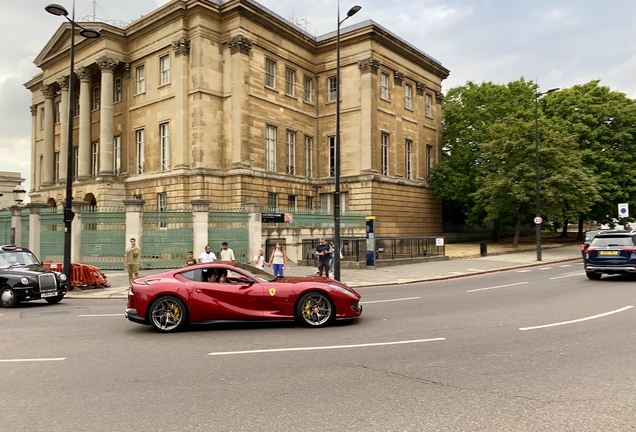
{"x": 623, "y": 210}
{"x": 538, "y": 220}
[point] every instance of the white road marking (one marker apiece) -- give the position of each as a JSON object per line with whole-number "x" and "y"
{"x": 500, "y": 286}
{"x": 474, "y": 270}
{"x": 102, "y": 315}
{"x": 566, "y": 265}
{"x": 391, "y": 300}
{"x": 545, "y": 268}
{"x": 32, "y": 360}
{"x": 564, "y": 276}
{"x": 524, "y": 271}
{"x": 578, "y": 320}
{"x": 325, "y": 347}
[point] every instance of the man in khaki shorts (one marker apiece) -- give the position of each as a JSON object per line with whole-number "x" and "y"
{"x": 132, "y": 259}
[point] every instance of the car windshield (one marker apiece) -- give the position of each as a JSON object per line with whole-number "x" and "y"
{"x": 257, "y": 273}
{"x": 606, "y": 241}
{"x": 17, "y": 258}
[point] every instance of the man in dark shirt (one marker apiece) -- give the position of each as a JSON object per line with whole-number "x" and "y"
{"x": 324, "y": 255}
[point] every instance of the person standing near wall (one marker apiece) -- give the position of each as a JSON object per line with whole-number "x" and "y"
{"x": 226, "y": 254}
{"x": 278, "y": 260}
{"x": 324, "y": 255}
{"x": 259, "y": 260}
{"x": 132, "y": 259}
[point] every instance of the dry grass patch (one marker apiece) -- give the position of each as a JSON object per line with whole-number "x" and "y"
{"x": 504, "y": 246}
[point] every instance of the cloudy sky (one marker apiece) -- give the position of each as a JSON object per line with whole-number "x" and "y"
{"x": 559, "y": 43}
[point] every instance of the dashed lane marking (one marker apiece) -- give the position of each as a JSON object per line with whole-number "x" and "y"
{"x": 523, "y": 271}
{"x": 319, "y": 348}
{"x": 32, "y": 360}
{"x": 567, "y": 275}
{"x": 102, "y": 315}
{"x": 496, "y": 287}
{"x": 545, "y": 268}
{"x": 566, "y": 265}
{"x": 390, "y": 300}
{"x": 578, "y": 320}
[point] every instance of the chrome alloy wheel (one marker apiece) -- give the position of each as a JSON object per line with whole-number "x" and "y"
{"x": 316, "y": 309}
{"x": 167, "y": 314}
{"x": 7, "y": 297}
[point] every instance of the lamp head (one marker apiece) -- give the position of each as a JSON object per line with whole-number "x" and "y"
{"x": 56, "y": 9}
{"x": 90, "y": 33}
{"x": 19, "y": 193}
{"x": 354, "y": 10}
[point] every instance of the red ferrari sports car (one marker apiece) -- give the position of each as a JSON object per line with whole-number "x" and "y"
{"x": 232, "y": 291}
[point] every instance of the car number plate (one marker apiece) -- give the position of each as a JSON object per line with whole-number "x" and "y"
{"x": 48, "y": 294}
{"x": 608, "y": 253}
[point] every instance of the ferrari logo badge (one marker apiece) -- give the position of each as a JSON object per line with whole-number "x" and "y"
{"x": 272, "y": 291}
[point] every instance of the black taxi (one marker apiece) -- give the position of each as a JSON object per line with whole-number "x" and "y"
{"x": 24, "y": 278}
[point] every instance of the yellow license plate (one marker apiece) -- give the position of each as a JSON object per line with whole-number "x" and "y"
{"x": 608, "y": 253}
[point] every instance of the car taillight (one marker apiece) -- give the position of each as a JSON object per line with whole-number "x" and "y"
{"x": 582, "y": 246}
{"x": 591, "y": 249}
{"x": 130, "y": 304}
{"x": 631, "y": 249}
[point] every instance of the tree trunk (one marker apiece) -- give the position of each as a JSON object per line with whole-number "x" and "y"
{"x": 564, "y": 233}
{"x": 515, "y": 241}
{"x": 495, "y": 231}
{"x": 580, "y": 234}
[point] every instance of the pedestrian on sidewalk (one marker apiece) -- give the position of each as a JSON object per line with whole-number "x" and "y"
{"x": 259, "y": 260}
{"x": 132, "y": 259}
{"x": 324, "y": 254}
{"x": 332, "y": 249}
{"x": 207, "y": 257}
{"x": 278, "y": 260}
{"x": 226, "y": 254}
{"x": 191, "y": 260}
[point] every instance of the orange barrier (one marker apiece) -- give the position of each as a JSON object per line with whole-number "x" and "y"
{"x": 82, "y": 275}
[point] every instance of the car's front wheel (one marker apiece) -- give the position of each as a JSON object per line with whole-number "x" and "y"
{"x": 8, "y": 299}
{"x": 54, "y": 300}
{"x": 168, "y": 314}
{"x": 315, "y": 309}
{"x": 593, "y": 276}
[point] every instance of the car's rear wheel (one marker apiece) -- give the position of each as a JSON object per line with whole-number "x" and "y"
{"x": 54, "y": 300}
{"x": 593, "y": 276}
{"x": 8, "y": 299}
{"x": 168, "y": 314}
{"x": 315, "y": 309}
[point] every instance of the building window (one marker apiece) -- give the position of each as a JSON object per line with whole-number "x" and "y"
{"x": 385, "y": 154}
{"x": 332, "y": 156}
{"x": 117, "y": 90}
{"x": 408, "y": 150}
{"x": 57, "y": 166}
{"x": 270, "y": 148}
{"x": 309, "y": 84}
{"x": 309, "y": 203}
{"x": 58, "y": 111}
{"x": 162, "y": 207}
{"x": 94, "y": 159}
{"x": 291, "y": 202}
{"x": 96, "y": 97}
{"x": 429, "y": 102}
{"x": 332, "y": 85}
{"x": 384, "y": 86}
{"x": 309, "y": 144}
{"x": 77, "y": 105}
{"x": 75, "y": 161}
{"x": 408, "y": 95}
{"x": 41, "y": 168}
{"x": 164, "y": 68}
{"x": 117, "y": 154}
{"x": 429, "y": 161}
{"x": 164, "y": 136}
{"x": 270, "y": 73}
{"x": 290, "y": 82}
{"x": 140, "y": 139}
{"x": 290, "y": 155}
{"x": 141, "y": 79}
{"x": 327, "y": 201}
{"x": 272, "y": 200}
{"x": 41, "y": 118}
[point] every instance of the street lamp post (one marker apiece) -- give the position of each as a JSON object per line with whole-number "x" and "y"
{"x": 56, "y": 9}
{"x": 336, "y": 195}
{"x": 537, "y": 218}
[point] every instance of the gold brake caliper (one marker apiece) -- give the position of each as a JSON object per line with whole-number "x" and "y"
{"x": 176, "y": 310}
{"x": 308, "y": 308}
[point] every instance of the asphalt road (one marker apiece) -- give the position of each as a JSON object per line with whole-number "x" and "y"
{"x": 541, "y": 349}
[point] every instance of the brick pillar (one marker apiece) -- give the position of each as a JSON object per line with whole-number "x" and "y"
{"x": 16, "y": 223}
{"x": 134, "y": 221}
{"x": 76, "y": 231}
{"x": 200, "y": 224}
{"x": 34, "y": 226}
{"x": 255, "y": 228}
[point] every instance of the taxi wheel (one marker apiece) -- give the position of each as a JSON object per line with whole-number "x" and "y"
{"x": 8, "y": 299}
{"x": 54, "y": 300}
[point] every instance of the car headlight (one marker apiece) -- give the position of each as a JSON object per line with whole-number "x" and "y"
{"x": 342, "y": 290}
{"x": 24, "y": 281}
{"x": 62, "y": 277}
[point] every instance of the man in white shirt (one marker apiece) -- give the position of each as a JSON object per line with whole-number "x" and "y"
{"x": 226, "y": 254}
{"x": 207, "y": 256}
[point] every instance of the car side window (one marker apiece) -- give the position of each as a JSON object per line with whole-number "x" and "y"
{"x": 193, "y": 275}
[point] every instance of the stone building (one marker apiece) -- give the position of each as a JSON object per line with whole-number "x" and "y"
{"x": 227, "y": 101}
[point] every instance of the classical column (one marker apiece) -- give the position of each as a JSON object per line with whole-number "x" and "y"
{"x": 254, "y": 227}
{"x": 240, "y": 96}
{"x": 16, "y": 224}
{"x": 106, "y": 152}
{"x": 47, "y": 174}
{"x": 63, "y": 83}
{"x": 134, "y": 220}
{"x": 34, "y": 125}
{"x": 128, "y": 150}
{"x": 86, "y": 77}
{"x": 200, "y": 224}
{"x": 35, "y": 232}
{"x": 368, "y": 82}
{"x": 181, "y": 48}
{"x": 76, "y": 231}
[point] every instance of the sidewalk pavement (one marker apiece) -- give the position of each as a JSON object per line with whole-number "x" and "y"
{"x": 399, "y": 274}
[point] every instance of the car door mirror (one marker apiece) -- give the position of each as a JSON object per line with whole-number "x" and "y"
{"x": 244, "y": 280}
